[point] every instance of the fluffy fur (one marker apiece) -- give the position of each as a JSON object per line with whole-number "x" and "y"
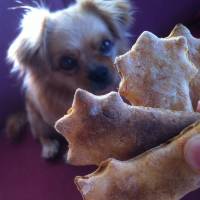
{"x": 57, "y": 52}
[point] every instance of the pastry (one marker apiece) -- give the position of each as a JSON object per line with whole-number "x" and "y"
{"x": 194, "y": 56}
{"x": 102, "y": 127}
{"x": 160, "y": 173}
{"x": 156, "y": 72}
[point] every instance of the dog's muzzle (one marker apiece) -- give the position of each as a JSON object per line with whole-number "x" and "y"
{"x": 100, "y": 77}
{"x": 99, "y": 74}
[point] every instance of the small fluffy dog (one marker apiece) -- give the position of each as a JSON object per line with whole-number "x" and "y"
{"x": 57, "y": 52}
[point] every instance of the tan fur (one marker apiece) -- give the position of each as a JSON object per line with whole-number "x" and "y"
{"x": 15, "y": 125}
{"x": 76, "y": 31}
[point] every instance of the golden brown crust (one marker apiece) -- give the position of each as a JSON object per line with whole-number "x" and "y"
{"x": 157, "y": 72}
{"x": 101, "y": 127}
{"x": 161, "y": 173}
{"x": 194, "y": 56}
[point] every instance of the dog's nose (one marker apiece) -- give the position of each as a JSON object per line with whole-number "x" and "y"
{"x": 99, "y": 74}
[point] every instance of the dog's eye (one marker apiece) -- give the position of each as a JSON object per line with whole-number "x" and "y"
{"x": 106, "y": 46}
{"x": 68, "y": 63}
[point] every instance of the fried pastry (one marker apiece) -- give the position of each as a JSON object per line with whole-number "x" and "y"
{"x": 101, "y": 127}
{"x": 194, "y": 56}
{"x": 156, "y": 72}
{"x": 161, "y": 173}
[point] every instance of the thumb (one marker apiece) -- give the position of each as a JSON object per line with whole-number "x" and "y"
{"x": 192, "y": 152}
{"x": 198, "y": 107}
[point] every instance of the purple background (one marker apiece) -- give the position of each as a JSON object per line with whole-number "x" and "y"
{"x": 23, "y": 174}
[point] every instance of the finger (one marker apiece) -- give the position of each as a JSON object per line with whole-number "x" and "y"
{"x": 198, "y": 107}
{"x": 192, "y": 152}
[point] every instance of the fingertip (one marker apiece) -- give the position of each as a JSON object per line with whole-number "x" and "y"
{"x": 192, "y": 152}
{"x": 198, "y": 106}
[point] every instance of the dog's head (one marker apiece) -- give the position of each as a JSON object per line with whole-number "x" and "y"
{"x": 74, "y": 47}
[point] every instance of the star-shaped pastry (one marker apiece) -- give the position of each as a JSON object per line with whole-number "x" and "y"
{"x": 156, "y": 72}
{"x": 101, "y": 127}
{"x": 161, "y": 173}
{"x": 194, "y": 56}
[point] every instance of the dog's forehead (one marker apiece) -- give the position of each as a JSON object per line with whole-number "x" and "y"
{"x": 75, "y": 29}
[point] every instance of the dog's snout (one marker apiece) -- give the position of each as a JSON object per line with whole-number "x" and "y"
{"x": 99, "y": 74}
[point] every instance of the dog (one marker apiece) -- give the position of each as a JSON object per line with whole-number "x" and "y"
{"x": 57, "y": 52}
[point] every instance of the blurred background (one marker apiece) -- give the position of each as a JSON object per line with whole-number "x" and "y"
{"x": 24, "y": 175}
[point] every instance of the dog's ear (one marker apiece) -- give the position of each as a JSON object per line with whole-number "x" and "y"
{"x": 29, "y": 48}
{"x": 117, "y": 13}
